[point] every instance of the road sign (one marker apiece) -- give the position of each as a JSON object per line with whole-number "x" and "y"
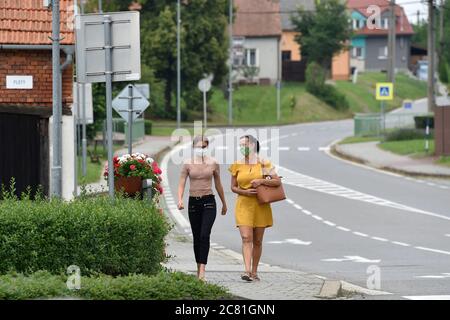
{"x": 125, "y": 45}
{"x": 78, "y": 98}
{"x": 407, "y": 104}
{"x": 121, "y": 103}
{"x": 204, "y": 85}
{"x": 385, "y": 91}
{"x": 144, "y": 88}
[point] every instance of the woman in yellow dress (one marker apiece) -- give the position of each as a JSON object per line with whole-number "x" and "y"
{"x": 252, "y": 218}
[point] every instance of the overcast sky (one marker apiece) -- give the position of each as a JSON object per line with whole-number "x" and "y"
{"x": 411, "y": 7}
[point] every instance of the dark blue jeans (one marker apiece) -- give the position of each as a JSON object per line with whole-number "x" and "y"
{"x": 202, "y": 214}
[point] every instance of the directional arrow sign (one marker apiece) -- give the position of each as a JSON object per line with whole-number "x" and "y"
{"x": 121, "y": 103}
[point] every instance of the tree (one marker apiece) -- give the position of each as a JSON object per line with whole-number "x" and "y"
{"x": 323, "y": 32}
{"x": 204, "y": 45}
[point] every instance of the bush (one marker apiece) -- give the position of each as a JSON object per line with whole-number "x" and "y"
{"x": 421, "y": 121}
{"x": 443, "y": 71}
{"x": 315, "y": 84}
{"x": 163, "y": 286}
{"x": 406, "y": 134}
{"x": 148, "y": 127}
{"x": 98, "y": 235}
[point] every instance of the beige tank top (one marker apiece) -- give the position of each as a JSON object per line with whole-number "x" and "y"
{"x": 200, "y": 175}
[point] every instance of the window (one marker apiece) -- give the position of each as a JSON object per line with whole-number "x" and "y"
{"x": 358, "y": 52}
{"x": 386, "y": 23}
{"x": 286, "y": 56}
{"x": 383, "y": 53}
{"x": 358, "y": 24}
{"x": 251, "y": 57}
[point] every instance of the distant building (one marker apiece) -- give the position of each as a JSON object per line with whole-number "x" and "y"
{"x": 26, "y": 94}
{"x": 369, "y": 45}
{"x": 257, "y": 34}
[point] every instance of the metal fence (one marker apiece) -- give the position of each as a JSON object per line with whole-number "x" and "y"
{"x": 372, "y": 124}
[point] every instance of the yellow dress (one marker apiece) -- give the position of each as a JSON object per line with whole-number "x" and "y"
{"x": 248, "y": 211}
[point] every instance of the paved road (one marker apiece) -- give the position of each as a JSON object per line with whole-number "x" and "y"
{"x": 347, "y": 222}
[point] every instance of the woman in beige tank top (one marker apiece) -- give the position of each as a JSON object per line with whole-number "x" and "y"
{"x": 201, "y": 170}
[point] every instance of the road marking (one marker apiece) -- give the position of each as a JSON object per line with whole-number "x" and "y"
{"x": 324, "y": 149}
{"x": 284, "y": 148}
{"x": 307, "y": 212}
{"x": 356, "y": 259}
{"x": 307, "y": 182}
{"x": 360, "y": 234}
{"x": 303, "y": 148}
{"x": 401, "y": 243}
{"x": 317, "y": 217}
{"x": 444, "y": 187}
{"x": 343, "y": 229}
{"x": 435, "y": 297}
{"x": 447, "y": 235}
{"x": 441, "y": 276}
{"x": 379, "y": 239}
{"x": 433, "y": 250}
{"x": 296, "y": 206}
{"x": 330, "y": 223}
{"x": 292, "y": 241}
{"x": 290, "y": 201}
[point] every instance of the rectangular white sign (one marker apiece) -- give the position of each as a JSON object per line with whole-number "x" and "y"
{"x": 19, "y": 82}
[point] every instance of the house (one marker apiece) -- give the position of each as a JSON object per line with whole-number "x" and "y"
{"x": 257, "y": 37}
{"x": 293, "y": 66}
{"x": 369, "y": 45}
{"x": 26, "y": 94}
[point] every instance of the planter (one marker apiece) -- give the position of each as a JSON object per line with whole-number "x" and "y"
{"x": 130, "y": 185}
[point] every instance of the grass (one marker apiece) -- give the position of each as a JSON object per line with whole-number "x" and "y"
{"x": 444, "y": 161}
{"x": 350, "y": 140}
{"x": 93, "y": 170}
{"x": 361, "y": 95}
{"x": 408, "y": 147}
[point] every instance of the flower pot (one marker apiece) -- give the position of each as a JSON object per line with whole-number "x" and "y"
{"x": 130, "y": 185}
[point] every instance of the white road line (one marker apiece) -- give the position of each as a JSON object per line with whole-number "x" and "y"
{"x": 307, "y": 212}
{"x": 284, "y": 148}
{"x": 401, "y": 243}
{"x": 380, "y": 239}
{"x": 324, "y": 149}
{"x": 330, "y": 223}
{"x": 303, "y": 149}
{"x": 447, "y": 235}
{"x": 431, "y": 297}
{"x": 433, "y": 250}
{"x": 317, "y": 217}
{"x": 360, "y": 234}
{"x": 296, "y": 206}
{"x": 444, "y": 187}
{"x": 343, "y": 229}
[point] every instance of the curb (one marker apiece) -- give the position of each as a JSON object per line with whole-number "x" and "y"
{"x": 345, "y": 156}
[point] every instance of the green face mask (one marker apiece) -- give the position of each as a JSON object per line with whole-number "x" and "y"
{"x": 245, "y": 151}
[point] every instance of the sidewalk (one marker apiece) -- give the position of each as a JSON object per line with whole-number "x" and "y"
{"x": 369, "y": 154}
{"x": 153, "y": 146}
{"x": 225, "y": 267}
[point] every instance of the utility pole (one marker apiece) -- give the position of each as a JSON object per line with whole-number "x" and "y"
{"x": 100, "y": 9}
{"x": 178, "y": 65}
{"x": 391, "y": 42}
{"x": 230, "y": 80}
{"x": 418, "y": 18}
{"x": 56, "y": 167}
{"x": 441, "y": 29}
{"x": 431, "y": 55}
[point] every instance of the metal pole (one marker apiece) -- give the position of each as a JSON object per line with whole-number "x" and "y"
{"x": 75, "y": 150}
{"x": 278, "y": 100}
{"x": 205, "y": 117}
{"x": 230, "y": 80}
{"x": 56, "y": 167}
{"x": 391, "y": 42}
{"x": 100, "y": 10}
{"x": 130, "y": 118}
{"x": 108, "y": 73}
{"x": 431, "y": 53}
{"x": 83, "y": 129}
{"x": 178, "y": 65}
{"x": 383, "y": 118}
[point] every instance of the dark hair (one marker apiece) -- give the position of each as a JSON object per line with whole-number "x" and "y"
{"x": 197, "y": 139}
{"x": 252, "y": 140}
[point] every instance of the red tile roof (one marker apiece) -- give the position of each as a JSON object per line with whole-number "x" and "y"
{"x": 257, "y": 18}
{"x": 29, "y": 22}
{"x": 403, "y": 25}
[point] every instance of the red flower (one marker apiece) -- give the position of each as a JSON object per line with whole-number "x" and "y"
{"x": 116, "y": 159}
{"x": 132, "y": 167}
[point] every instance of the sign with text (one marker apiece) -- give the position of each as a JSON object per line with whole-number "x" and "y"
{"x": 19, "y": 82}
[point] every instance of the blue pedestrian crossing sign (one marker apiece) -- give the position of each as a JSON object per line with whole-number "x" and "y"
{"x": 385, "y": 91}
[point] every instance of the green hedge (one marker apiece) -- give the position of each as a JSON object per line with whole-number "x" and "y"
{"x": 99, "y": 235}
{"x": 148, "y": 127}
{"x": 421, "y": 121}
{"x": 163, "y": 286}
{"x": 406, "y": 134}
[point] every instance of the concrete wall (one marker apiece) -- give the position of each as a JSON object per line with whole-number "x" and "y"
{"x": 375, "y": 63}
{"x": 68, "y": 156}
{"x": 288, "y": 43}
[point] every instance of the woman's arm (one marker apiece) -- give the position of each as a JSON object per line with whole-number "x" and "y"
{"x": 235, "y": 188}
{"x": 181, "y": 187}
{"x": 274, "y": 182}
{"x": 219, "y": 188}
